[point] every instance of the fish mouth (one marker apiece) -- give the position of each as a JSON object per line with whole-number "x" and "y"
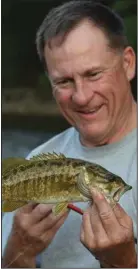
{"x": 120, "y": 192}
{"x": 125, "y": 189}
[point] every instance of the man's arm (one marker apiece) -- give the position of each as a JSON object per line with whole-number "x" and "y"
{"x": 34, "y": 227}
{"x": 7, "y": 246}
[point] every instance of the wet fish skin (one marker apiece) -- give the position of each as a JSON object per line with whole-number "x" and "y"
{"x": 42, "y": 181}
{"x": 53, "y": 178}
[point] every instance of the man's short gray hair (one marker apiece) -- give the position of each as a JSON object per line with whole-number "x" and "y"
{"x": 62, "y": 19}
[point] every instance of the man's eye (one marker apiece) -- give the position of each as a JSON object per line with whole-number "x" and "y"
{"x": 93, "y": 74}
{"x": 64, "y": 82}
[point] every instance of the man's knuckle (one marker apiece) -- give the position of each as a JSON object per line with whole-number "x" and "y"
{"x": 128, "y": 237}
{"x": 85, "y": 216}
{"x": 102, "y": 244}
{"x": 91, "y": 245}
{"x": 43, "y": 209}
{"x": 105, "y": 215}
{"x": 119, "y": 238}
{"x": 24, "y": 224}
{"x": 87, "y": 243}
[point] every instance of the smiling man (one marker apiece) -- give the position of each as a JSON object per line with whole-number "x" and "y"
{"x": 90, "y": 86}
{"x": 90, "y": 65}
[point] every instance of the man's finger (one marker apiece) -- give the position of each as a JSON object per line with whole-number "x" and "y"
{"x": 82, "y": 233}
{"x": 107, "y": 216}
{"x": 52, "y": 231}
{"x": 28, "y": 208}
{"x": 119, "y": 211}
{"x": 49, "y": 221}
{"x": 121, "y": 216}
{"x": 40, "y": 212}
{"x": 96, "y": 223}
{"x": 87, "y": 228}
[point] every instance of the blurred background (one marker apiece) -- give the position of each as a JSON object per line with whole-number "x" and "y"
{"x": 29, "y": 113}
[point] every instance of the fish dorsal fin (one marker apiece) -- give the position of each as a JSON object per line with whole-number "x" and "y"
{"x": 48, "y": 156}
{"x": 12, "y": 162}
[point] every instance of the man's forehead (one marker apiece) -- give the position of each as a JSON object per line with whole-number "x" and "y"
{"x": 78, "y": 64}
{"x": 82, "y": 38}
{"x": 62, "y": 63}
{"x": 85, "y": 48}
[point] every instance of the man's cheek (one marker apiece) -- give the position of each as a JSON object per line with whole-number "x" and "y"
{"x": 64, "y": 98}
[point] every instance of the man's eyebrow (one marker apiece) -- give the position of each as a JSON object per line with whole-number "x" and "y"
{"x": 56, "y": 79}
{"x": 91, "y": 70}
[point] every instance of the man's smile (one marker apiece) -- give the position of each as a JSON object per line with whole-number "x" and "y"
{"x": 91, "y": 113}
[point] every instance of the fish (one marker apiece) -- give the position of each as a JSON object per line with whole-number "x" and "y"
{"x": 51, "y": 178}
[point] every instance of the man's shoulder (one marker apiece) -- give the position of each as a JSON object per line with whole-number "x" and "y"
{"x": 56, "y": 143}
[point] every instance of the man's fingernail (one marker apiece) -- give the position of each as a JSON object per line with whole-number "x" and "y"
{"x": 96, "y": 193}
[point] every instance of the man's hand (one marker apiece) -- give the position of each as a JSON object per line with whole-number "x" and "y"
{"x": 108, "y": 234}
{"x": 34, "y": 227}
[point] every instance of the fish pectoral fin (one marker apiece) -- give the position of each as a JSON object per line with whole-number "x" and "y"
{"x": 9, "y": 206}
{"x": 60, "y": 208}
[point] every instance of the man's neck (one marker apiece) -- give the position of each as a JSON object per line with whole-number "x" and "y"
{"x": 129, "y": 124}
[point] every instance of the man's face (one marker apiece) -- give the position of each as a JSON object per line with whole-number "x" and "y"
{"x": 89, "y": 81}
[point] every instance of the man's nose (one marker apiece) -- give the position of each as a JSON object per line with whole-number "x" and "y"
{"x": 82, "y": 94}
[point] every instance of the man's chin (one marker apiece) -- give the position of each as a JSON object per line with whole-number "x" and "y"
{"x": 91, "y": 137}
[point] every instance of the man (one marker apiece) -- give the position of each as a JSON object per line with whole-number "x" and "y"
{"x": 90, "y": 65}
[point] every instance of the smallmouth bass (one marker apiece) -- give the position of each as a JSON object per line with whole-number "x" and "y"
{"x": 56, "y": 179}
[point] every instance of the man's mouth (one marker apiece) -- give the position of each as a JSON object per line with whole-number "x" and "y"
{"x": 90, "y": 111}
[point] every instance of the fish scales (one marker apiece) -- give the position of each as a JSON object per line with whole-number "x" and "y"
{"x": 42, "y": 179}
{"x": 53, "y": 178}
{"x": 47, "y": 168}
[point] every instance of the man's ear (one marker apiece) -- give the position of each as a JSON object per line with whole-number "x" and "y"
{"x": 129, "y": 62}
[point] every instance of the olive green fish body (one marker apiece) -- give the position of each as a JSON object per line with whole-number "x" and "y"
{"x": 47, "y": 181}
{"x": 53, "y": 178}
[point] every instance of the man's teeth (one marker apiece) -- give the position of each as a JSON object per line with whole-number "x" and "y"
{"x": 91, "y": 111}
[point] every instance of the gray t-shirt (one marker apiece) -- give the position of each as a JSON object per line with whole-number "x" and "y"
{"x": 66, "y": 250}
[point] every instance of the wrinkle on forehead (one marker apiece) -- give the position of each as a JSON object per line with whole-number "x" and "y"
{"x": 84, "y": 47}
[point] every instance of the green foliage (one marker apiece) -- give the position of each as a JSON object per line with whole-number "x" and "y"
{"x": 20, "y": 20}
{"x": 128, "y": 11}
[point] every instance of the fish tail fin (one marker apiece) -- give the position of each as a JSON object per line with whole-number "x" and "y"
{"x": 9, "y": 206}
{"x": 60, "y": 208}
